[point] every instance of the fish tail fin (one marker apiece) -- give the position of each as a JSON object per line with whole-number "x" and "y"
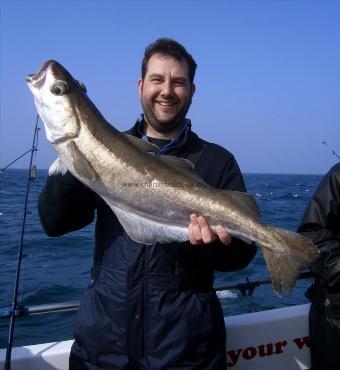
{"x": 291, "y": 254}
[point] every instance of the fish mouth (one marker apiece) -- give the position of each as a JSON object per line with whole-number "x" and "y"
{"x": 36, "y": 80}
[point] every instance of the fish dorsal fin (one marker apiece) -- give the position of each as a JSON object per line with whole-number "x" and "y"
{"x": 183, "y": 165}
{"x": 180, "y": 163}
{"x": 246, "y": 201}
{"x": 144, "y": 146}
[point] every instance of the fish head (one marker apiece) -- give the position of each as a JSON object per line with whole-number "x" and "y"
{"x": 56, "y": 94}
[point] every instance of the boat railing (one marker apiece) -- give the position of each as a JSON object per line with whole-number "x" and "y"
{"x": 246, "y": 288}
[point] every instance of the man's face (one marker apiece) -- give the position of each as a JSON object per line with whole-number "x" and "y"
{"x": 165, "y": 92}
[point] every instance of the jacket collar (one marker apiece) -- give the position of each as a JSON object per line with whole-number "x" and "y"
{"x": 176, "y": 143}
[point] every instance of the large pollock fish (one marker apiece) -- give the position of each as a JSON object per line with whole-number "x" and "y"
{"x": 152, "y": 196}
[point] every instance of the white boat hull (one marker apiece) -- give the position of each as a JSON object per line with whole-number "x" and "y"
{"x": 266, "y": 340}
{"x": 275, "y": 340}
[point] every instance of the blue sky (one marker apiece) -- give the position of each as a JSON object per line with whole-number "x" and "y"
{"x": 268, "y": 78}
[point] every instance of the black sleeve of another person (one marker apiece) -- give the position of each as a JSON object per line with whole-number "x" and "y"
{"x": 321, "y": 224}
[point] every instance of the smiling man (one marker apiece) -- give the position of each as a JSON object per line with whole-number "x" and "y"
{"x": 153, "y": 306}
{"x": 166, "y": 92}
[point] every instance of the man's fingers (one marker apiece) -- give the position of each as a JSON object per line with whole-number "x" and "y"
{"x": 223, "y": 235}
{"x": 195, "y": 236}
{"x": 191, "y": 235}
{"x": 199, "y": 232}
{"x": 208, "y": 236}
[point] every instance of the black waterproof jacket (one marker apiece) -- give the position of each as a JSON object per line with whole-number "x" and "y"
{"x": 321, "y": 224}
{"x": 148, "y": 307}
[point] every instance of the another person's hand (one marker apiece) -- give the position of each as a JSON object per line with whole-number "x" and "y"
{"x": 201, "y": 233}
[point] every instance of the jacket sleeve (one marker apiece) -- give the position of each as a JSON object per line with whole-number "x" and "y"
{"x": 65, "y": 205}
{"x": 321, "y": 224}
{"x": 238, "y": 254}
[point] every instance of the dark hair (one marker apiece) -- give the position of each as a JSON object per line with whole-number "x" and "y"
{"x": 169, "y": 47}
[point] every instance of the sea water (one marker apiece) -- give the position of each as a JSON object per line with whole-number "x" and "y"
{"x": 58, "y": 269}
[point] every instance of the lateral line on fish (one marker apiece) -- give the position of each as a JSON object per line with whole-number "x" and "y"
{"x": 173, "y": 201}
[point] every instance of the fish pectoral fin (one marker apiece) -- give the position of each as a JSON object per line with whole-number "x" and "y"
{"x": 142, "y": 145}
{"x": 57, "y": 167}
{"x": 246, "y": 201}
{"x": 80, "y": 164}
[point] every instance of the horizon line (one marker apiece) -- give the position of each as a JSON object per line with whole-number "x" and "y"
{"x": 243, "y": 173}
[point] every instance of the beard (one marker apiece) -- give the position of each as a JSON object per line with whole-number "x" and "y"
{"x": 164, "y": 126}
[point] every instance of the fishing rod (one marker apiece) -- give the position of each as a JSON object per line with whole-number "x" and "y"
{"x": 332, "y": 151}
{"x": 10, "y": 164}
{"x": 30, "y": 178}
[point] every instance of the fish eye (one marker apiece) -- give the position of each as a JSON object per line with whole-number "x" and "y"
{"x": 82, "y": 86}
{"x": 60, "y": 88}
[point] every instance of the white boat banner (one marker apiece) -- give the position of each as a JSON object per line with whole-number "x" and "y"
{"x": 267, "y": 340}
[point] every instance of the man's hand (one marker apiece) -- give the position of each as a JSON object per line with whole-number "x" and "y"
{"x": 200, "y": 232}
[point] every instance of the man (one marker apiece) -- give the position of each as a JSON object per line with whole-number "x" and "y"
{"x": 153, "y": 307}
{"x": 321, "y": 224}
